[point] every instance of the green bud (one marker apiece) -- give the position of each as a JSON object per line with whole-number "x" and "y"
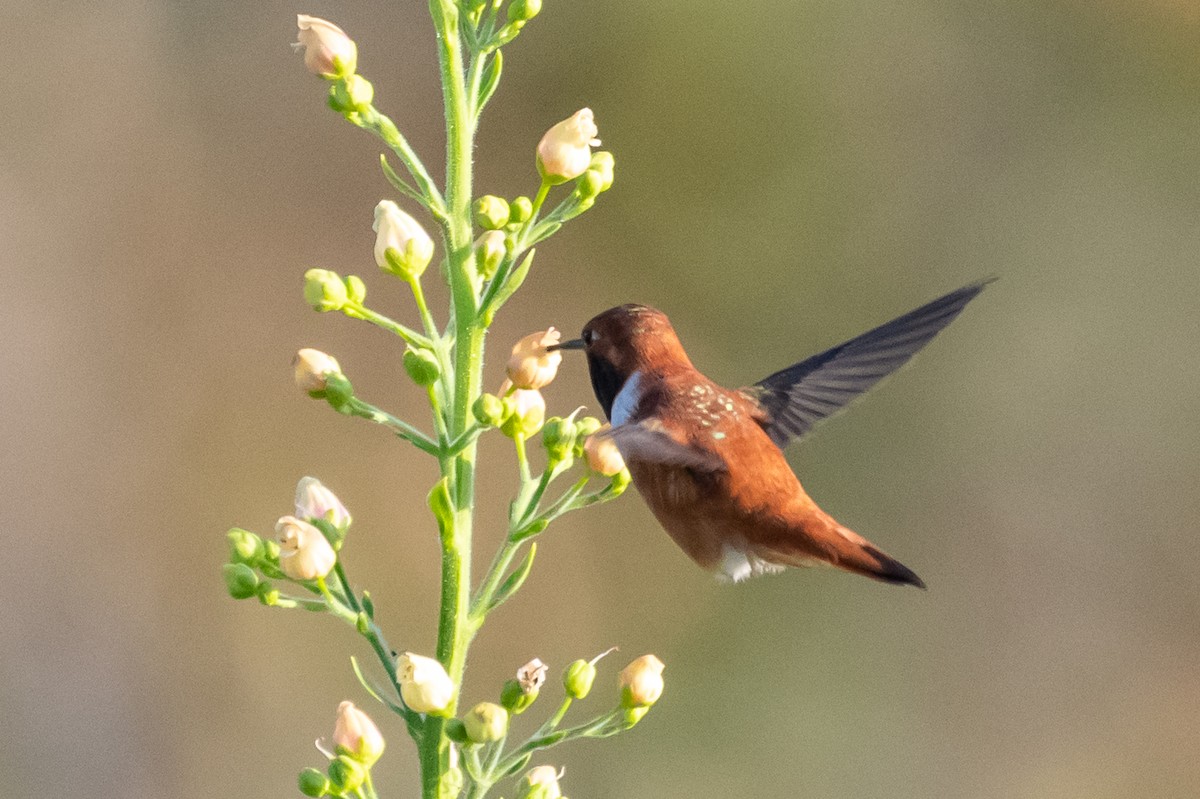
{"x": 456, "y": 731}
{"x": 451, "y": 783}
{"x": 602, "y": 164}
{"x": 267, "y": 595}
{"x": 523, "y": 10}
{"x": 313, "y": 783}
{"x": 520, "y": 210}
{"x": 578, "y": 679}
{"x": 589, "y": 184}
{"x": 583, "y": 428}
{"x": 356, "y": 289}
{"x": 491, "y": 212}
{"x": 240, "y": 580}
{"x": 634, "y": 714}
{"x": 486, "y": 722}
{"x": 346, "y": 774}
{"x": 244, "y": 546}
{"x": 363, "y": 623}
{"x": 515, "y": 698}
{"x": 324, "y": 290}
{"x": 620, "y": 482}
{"x": 422, "y": 366}
{"x": 338, "y": 390}
{"x": 489, "y": 410}
{"x": 271, "y": 551}
{"x": 558, "y": 437}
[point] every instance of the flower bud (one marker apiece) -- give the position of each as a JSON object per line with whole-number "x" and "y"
{"x": 558, "y": 437}
{"x": 602, "y": 454}
{"x": 540, "y": 783}
{"x": 402, "y": 246}
{"x": 324, "y": 290}
{"x": 520, "y": 210}
{"x": 564, "y": 153}
{"x": 355, "y": 735}
{"x": 346, "y": 774}
{"x": 641, "y": 682}
{"x": 488, "y": 410}
{"x": 304, "y": 553}
{"x": 521, "y": 11}
{"x": 520, "y": 693}
{"x": 486, "y": 722}
{"x": 490, "y": 249}
{"x": 491, "y": 212}
{"x": 532, "y": 676}
{"x": 528, "y": 414}
{"x": 352, "y": 95}
{"x": 424, "y": 684}
{"x": 422, "y": 366}
{"x": 268, "y": 595}
{"x": 633, "y": 715}
{"x": 578, "y": 678}
{"x": 315, "y": 501}
{"x": 455, "y": 731}
{"x": 532, "y": 364}
{"x": 583, "y": 428}
{"x": 313, "y": 783}
{"x": 451, "y": 783}
{"x": 313, "y": 368}
{"x": 356, "y": 289}
{"x": 240, "y": 580}
{"x": 244, "y": 546}
{"x": 328, "y": 51}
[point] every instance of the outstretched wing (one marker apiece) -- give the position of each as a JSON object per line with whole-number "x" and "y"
{"x": 796, "y": 398}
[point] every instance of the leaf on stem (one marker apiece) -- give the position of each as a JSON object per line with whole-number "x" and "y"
{"x": 399, "y": 183}
{"x": 512, "y": 282}
{"x": 371, "y": 689}
{"x": 491, "y": 78}
{"x": 514, "y": 581}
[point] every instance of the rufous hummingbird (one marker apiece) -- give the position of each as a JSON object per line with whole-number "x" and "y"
{"x": 709, "y": 460}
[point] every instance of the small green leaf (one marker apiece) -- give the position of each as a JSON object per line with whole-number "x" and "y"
{"x": 491, "y": 77}
{"x": 515, "y": 580}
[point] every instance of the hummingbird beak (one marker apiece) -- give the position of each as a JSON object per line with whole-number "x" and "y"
{"x": 573, "y": 344}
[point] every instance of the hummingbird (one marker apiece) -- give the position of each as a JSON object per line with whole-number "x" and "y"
{"x": 709, "y": 460}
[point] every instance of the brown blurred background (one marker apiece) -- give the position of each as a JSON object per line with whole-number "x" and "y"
{"x": 789, "y": 174}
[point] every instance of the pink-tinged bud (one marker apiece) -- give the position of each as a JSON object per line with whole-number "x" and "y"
{"x": 315, "y": 501}
{"x": 602, "y": 454}
{"x": 528, "y": 415}
{"x": 564, "y": 153}
{"x": 313, "y": 369}
{"x": 402, "y": 246}
{"x": 304, "y": 553}
{"x": 355, "y": 735}
{"x": 642, "y": 682}
{"x": 532, "y": 364}
{"x": 540, "y": 783}
{"x": 424, "y": 684}
{"x": 328, "y": 51}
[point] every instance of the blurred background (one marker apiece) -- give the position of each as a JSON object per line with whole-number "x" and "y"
{"x": 789, "y": 174}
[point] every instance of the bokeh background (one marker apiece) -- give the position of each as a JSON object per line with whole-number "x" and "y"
{"x": 789, "y": 174}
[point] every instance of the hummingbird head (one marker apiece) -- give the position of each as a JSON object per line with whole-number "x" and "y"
{"x": 623, "y": 341}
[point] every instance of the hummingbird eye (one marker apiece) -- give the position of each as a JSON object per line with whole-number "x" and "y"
{"x": 589, "y": 336}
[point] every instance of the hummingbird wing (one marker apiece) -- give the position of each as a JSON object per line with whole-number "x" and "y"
{"x": 650, "y": 441}
{"x": 796, "y": 398}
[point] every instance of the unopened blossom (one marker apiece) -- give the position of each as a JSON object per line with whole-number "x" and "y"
{"x": 490, "y": 249}
{"x": 528, "y": 414}
{"x": 424, "y": 684}
{"x": 565, "y": 153}
{"x": 354, "y": 734}
{"x": 540, "y": 783}
{"x": 532, "y": 364}
{"x": 486, "y": 722}
{"x": 602, "y": 454}
{"x": 402, "y": 246}
{"x": 304, "y": 553}
{"x": 532, "y": 675}
{"x": 328, "y": 51}
{"x": 315, "y": 501}
{"x": 312, "y": 368}
{"x": 641, "y": 682}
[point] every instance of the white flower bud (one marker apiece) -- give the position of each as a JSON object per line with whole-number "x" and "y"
{"x": 490, "y": 249}
{"x": 602, "y": 454}
{"x": 315, "y": 501}
{"x": 313, "y": 368}
{"x": 564, "y": 153}
{"x": 532, "y": 364}
{"x": 641, "y": 682}
{"x": 304, "y": 554}
{"x": 424, "y": 684}
{"x": 402, "y": 246}
{"x": 540, "y": 783}
{"x": 328, "y": 51}
{"x": 354, "y": 734}
{"x": 528, "y": 416}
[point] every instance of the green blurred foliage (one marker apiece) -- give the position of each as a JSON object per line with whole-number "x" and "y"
{"x": 789, "y": 174}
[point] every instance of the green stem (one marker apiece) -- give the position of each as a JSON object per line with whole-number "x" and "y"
{"x": 366, "y": 410}
{"x": 410, "y": 336}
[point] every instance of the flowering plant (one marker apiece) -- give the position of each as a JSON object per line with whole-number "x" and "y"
{"x": 461, "y": 753}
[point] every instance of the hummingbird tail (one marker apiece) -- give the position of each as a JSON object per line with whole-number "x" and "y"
{"x": 862, "y": 557}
